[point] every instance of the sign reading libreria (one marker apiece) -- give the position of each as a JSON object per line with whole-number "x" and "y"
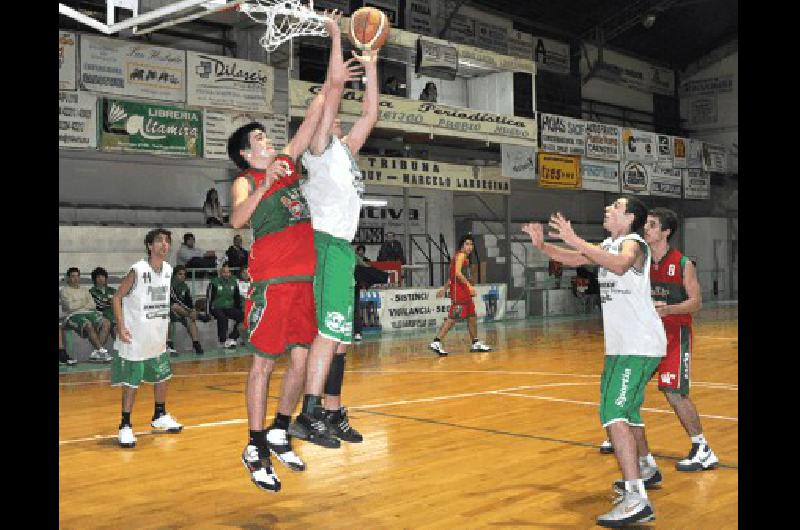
{"x": 425, "y": 117}
{"x": 229, "y": 83}
{"x": 143, "y": 127}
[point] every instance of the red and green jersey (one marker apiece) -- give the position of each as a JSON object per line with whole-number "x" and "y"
{"x": 666, "y": 284}
{"x": 284, "y": 239}
{"x": 459, "y": 292}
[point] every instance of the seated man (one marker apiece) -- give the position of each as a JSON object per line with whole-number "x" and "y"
{"x": 237, "y": 255}
{"x": 224, "y": 302}
{"x": 182, "y": 309}
{"x": 102, "y": 294}
{"x": 195, "y": 258}
{"x": 391, "y": 250}
{"x": 82, "y": 316}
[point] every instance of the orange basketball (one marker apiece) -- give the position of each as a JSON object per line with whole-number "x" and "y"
{"x": 369, "y": 28}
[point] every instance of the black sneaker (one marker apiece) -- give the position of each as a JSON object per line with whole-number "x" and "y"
{"x": 338, "y": 423}
{"x": 263, "y": 476}
{"x": 198, "y": 349}
{"x": 63, "y": 358}
{"x": 313, "y": 430}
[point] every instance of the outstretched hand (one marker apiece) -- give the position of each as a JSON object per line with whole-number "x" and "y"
{"x": 563, "y": 229}
{"x": 536, "y": 233}
{"x": 332, "y": 22}
{"x": 354, "y": 71}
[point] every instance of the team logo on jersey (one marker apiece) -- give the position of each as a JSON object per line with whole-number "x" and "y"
{"x": 293, "y": 202}
{"x": 335, "y": 321}
{"x": 668, "y": 377}
{"x": 671, "y": 270}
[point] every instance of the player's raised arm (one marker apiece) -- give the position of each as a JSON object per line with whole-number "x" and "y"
{"x": 369, "y": 108}
{"x": 568, "y": 257}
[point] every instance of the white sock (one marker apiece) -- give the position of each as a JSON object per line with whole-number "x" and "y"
{"x": 648, "y": 461}
{"x": 699, "y": 439}
{"x": 636, "y": 486}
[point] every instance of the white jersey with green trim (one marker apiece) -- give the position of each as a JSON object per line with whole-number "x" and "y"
{"x": 333, "y": 190}
{"x": 145, "y": 312}
{"x": 631, "y": 325}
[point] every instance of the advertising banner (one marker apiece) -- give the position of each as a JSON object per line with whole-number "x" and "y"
{"x": 422, "y": 116}
{"x": 218, "y": 125}
{"x": 132, "y": 69}
{"x": 703, "y": 109}
{"x": 419, "y": 18}
{"x": 665, "y": 181}
{"x": 720, "y": 84}
{"x": 149, "y": 128}
{"x": 599, "y": 175}
{"x": 551, "y": 55}
{"x": 678, "y": 152}
{"x": 636, "y": 178}
{"x": 559, "y": 171}
{"x": 491, "y": 36}
{"x": 489, "y": 59}
{"x": 461, "y": 29}
{"x": 665, "y": 155}
{"x": 715, "y": 158}
{"x": 602, "y": 141}
{"x": 696, "y": 184}
{"x": 561, "y": 134}
{"x": 67, "y": 59}
{"x": 518, "y": 162}
{"x": 638, "y": 146}
{"x": 77, "y": 119}
{"x": 520, "y": 44}
{"x": 229, "y": 83}
{"x": 412, "y": 173}
{"x": 694, "y": 154}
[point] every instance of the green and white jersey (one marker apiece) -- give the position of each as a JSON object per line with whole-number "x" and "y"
{"x": 631, "y": 325}
{"x": 102, "y": 299}
{"x": 333, "y": 190}
{"x": 145, "y": 312}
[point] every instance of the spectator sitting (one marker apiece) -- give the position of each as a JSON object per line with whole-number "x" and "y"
{"x": 213, "y": 210}
{"x": 182, "y": 310}
{"x": 237, "y": 255}
{"x": 82, "y": 316}
{"x": 102, "y": 294}
{"x": 429, "y": 93}
{"x": 224, "y": 302}
{"x": 391, "y": 250}
{"x": 361, "y": 258}
{"x": 195, "y": 258}
{"x": 63, "y": 358}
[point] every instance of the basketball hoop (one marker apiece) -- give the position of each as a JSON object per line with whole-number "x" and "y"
{"x": 285, "y": 19}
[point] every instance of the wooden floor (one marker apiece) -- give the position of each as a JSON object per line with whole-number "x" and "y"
{"x": 502, "y": 439}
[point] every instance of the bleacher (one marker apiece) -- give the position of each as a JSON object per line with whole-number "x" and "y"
{"x": 128, "y": 215}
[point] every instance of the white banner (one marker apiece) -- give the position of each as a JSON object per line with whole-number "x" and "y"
{"x": 132, "y": 69}
{"x": 77, "y": 120}
{"x": 665, "y": 181}
{"x": 219, "y": 125}
{"x": 389, "y": 7}
{"x": 678, "y": 152}
{"x": 665, "y": 154}
{"x": 519, "y": 162}
{"x": 696, "y": 184}
{"x": 638, "y": 146}
{"x": 720, "y": 84}
{"x": 419, "y": 18}
{"x": 715, "y": 158}
{"x": 403, "y": 309}
{"x": 599, "y": 175}
{"x": 636, "y": 178}
{"x": 561, "y": 134}
{"x": 694, "y": 154}
{"x": 67, "y": 58}
{"x": 229, "y": 83}
{"x": 602, "y": 141}
{"x": 551, "y": 55}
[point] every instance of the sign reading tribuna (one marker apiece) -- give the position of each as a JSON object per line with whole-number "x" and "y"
{"x": 148, "y": 128}
{"x": 412, "y": 173}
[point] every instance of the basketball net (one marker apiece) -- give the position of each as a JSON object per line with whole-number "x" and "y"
{"x": 285, "y": 19}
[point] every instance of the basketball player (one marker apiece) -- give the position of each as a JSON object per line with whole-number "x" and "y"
{"x": 634, "y": 336}
{"x": 141, "y": 310}
{"x": 676, "y": 293}
{"x": 461, "y": 294}
{"x": 333, "y": 189}
{"x": 279, "y": 310}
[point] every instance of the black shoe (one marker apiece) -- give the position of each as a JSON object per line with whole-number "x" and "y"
{"x": 63, "y": 358}
{"x": 198, "y": 349}
{"x": 313, "y": 430}
{"x": 262, "y": 475}
{"x": 339, "y": 424}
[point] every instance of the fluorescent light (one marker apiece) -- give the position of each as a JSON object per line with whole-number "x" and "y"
{"x": 374, "y": 202}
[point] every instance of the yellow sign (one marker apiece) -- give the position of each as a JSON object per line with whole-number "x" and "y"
{"x": 559, "y": 171}
{"x": 413, "y": 173}
{"x": 424, "y": 117}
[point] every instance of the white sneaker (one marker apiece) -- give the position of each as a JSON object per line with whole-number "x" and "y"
{"x": 262, "y": 476}
{"x": 437, "y": 347}
{"x": 171, "y": 350}
{"x": 278, "y": 443}
{"x": 651, "y": 478}
{"x": 230, "y": 343}
{"x": 96, "y": 357}
{"x": 106, "y": 356}
{"x": 167, "y": 423}
{"x": 631, "y": 509}
{"x": 356, "y": 336}
{"x": 700, "y": 458}
{"x": 479, "y": 346}
{"x": 126, "y": 437}
{"x": 606, "y": 448}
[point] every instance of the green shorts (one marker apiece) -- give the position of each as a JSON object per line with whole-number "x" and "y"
{"x": 622, "y": 387}
{"x": 78, "y": 321}
{"x": 334, "y": 285}
{"x": 131, "y": 373}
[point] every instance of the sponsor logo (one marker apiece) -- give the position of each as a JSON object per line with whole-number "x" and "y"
{"x": 671, "y": 270}
{"x": 623, "y": 391}
{"x": 335, "y": 321}
{"x": 668, "y": 377}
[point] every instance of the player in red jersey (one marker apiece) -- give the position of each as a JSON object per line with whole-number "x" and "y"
{"x": 676, "y": 294}
{"x": 280, "y": 313}
{"x": 461, "y": 294}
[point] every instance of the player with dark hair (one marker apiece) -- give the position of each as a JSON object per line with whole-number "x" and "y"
{"x": 101, "y": 293}
{"x": 635, "y": 341}
{"x": 141, "y": 309}
{"x": 461, "y": 294}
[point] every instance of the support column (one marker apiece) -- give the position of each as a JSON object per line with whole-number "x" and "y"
{"x": 507, "y": 227}
{"x": 407, "y": 237}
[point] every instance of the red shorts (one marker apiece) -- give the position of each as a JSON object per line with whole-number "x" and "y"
{"x": 461, "y": 309}
{"x": 673, "y": 371}
{"x": 279, "y": 316}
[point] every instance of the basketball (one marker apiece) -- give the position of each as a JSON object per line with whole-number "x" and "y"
{"x": 369, "y": 28}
